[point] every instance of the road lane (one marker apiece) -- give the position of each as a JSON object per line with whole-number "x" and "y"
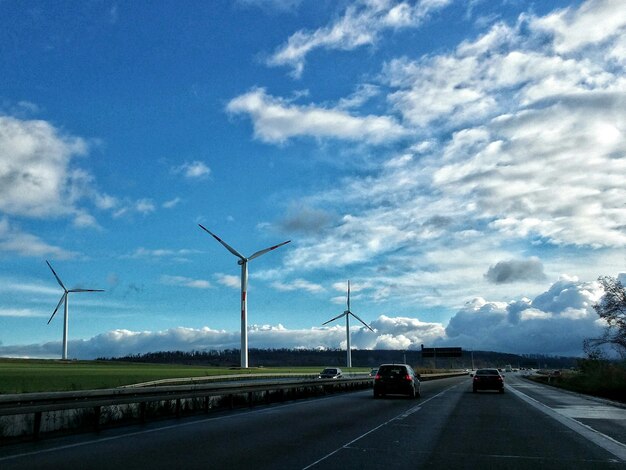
{"x": 450, "y": 427}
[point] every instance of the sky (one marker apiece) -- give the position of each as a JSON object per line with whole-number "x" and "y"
{"x": 462, "y": 163}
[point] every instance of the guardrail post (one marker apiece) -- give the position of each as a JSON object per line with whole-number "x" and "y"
{"x": 36, "y": 425}
{"x": 142, "y": 412}
{"x": 178, "y": 407}
{"x": 231, "y": 403}
{"x": 96, "y": 418}
{"x": 250, "y": 399}
{"x": 207, "y": 401}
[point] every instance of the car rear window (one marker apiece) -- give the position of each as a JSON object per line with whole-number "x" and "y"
{"x": 487, "y": 372}
{"x": 329, "y": 371}
{"x": 392, "y": 370}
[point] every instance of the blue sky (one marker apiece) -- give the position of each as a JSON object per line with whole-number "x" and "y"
{"x": 462, "y": 163}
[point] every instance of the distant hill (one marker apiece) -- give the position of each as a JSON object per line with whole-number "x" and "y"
{"x": 336, "y": 357}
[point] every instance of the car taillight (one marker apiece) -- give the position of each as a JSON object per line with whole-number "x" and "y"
{"x": 378, "y": 377}
{"x": 408, "y": 377}
{"x": 475, "y": 378}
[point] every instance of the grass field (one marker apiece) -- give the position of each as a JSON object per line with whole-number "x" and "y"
{"x": 27, "y": 375}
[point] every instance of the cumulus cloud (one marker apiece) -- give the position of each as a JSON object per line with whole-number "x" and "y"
{"x": 515, "y": 270}
{"x": 36, "y": 179}
{"x": 360, "y": 25}
{"x": 556, "y": 322}
{"x": 275, "y": 120}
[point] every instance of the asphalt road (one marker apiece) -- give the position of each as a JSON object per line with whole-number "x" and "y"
{"x": 448, "y": 428}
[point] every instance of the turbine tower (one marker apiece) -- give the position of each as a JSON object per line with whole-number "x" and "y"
{"x": 347, "y": 314}
{"x": 243, "y": 262}
{"x": 64, "y": 300}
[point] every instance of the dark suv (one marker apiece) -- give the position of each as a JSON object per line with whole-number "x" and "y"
{"x": 396, "y": 379}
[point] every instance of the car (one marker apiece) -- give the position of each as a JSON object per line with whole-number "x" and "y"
{"x": 373, "y": 372}
{"x": 397, "y": 379}
{"x": 488, "y": 379}
{"x": 331, "y": 373}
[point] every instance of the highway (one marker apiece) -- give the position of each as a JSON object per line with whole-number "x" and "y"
{"x": 529, "y": 426}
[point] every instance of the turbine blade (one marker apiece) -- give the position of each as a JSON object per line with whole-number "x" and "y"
{"x": 366, "y": 325}
{"x": 58, "y": 305}
{"x": 348, "y": 295}
{"x": 86, "y": 290}
{"x": 56, "y": 276}
{"x": 333, "y": 319}
{"x": 262, "y": 252}
{"x": 226, "y": 245}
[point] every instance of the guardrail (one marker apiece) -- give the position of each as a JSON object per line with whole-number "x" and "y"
{"x": 139, "y": 396}
{"x": 36, "y": 404}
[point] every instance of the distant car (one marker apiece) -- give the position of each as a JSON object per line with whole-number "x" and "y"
{"x": 331, "y": 373}
{"x": 396, "y": 379}
{"x": 373, "y": 372}
{"x": 488, "y": 379}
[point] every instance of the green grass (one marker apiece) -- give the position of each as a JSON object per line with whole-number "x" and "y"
{"x": 26, "y": 375}
{"x": 599, "y": 378}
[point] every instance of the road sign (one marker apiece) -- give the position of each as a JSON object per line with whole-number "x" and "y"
{"x": 442, "y": 352}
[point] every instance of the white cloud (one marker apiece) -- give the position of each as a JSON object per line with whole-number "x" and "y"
{"x": 361, "y": 24}
{"x": 194, "y": 170}
{"x": 276, "y": 120}
{"x": 185, "y": 282}
{"x": 21, "y": 313}
{"x": 298, "y": 285}
{"x": 172, "y": 203}
{"x": 229, "y": 280}
{"x": 14, "y": 240}
{"x": 178, "y": 255}
{"x": 555, "y": 323}
{"x": 36, "y": 179}
{"x": 593, "y": 23}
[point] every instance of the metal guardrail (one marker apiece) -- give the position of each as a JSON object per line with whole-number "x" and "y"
{"x": 142, "y": 394}
{"x": 38, "y": 403}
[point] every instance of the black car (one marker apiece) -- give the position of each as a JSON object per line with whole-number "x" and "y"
{"x": 488, "y": 379}
{"x": 396, "y": 379}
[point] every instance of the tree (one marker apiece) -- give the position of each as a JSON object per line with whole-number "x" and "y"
{"x": 612, "y": 309}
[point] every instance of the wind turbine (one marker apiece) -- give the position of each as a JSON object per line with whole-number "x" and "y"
{"x": 64, "y": 301}
{"x": 243, "y": 262}
{"x": 347, "y": 314}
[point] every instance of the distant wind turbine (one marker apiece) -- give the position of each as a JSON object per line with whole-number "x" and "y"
{"x": 347, "y": 314}
{"x": 243, "y": 262}
{"x": 64, "y": 300}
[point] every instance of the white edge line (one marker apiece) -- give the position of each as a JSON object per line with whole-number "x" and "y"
{"x": 400, "y": 416}
{"x": 606, "y": 442}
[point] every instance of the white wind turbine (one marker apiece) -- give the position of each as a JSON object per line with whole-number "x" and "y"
{"x": 64, "y": 300}
{"x": 347, "y": 314}
{"x": 243, "y": 262}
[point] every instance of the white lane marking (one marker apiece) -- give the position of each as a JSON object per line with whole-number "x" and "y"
{"x": 399, "y": 417}
{"x": 592, "y": 412}
{"x": 606, "y": 442}
{"x": 409, "y": 412}
{"x": 162, "y": 428}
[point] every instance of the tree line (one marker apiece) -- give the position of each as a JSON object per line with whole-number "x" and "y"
{"x": 285, "y": 357}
